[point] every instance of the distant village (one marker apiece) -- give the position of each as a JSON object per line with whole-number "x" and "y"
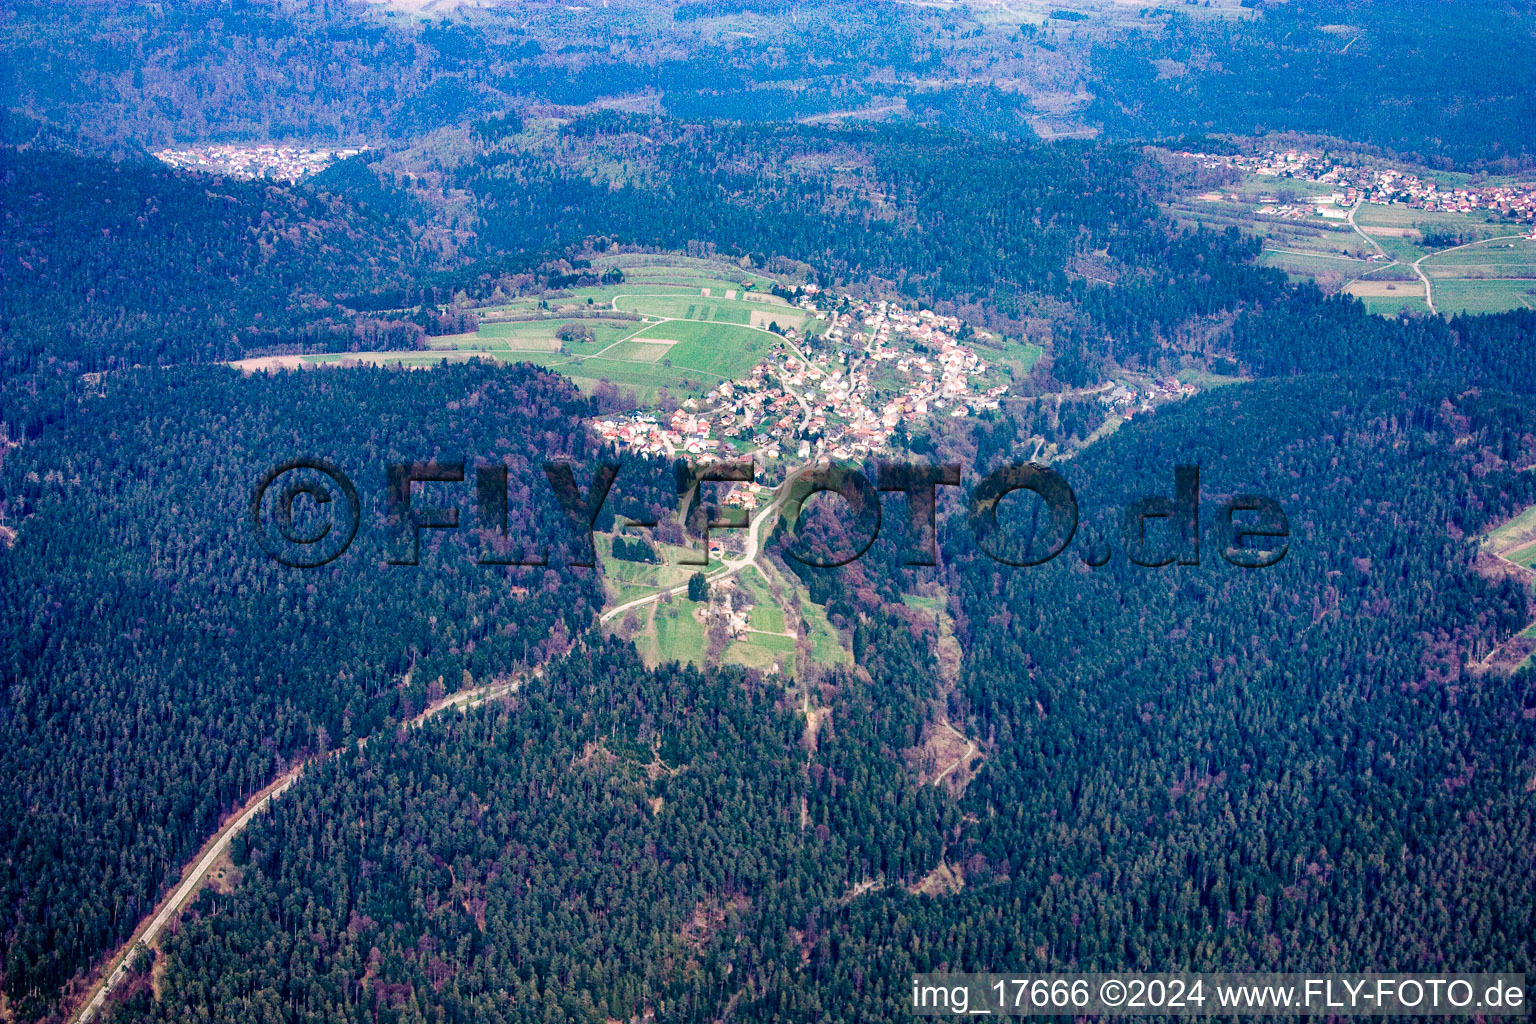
{"x": 274, "y": 163}
{"x": 1380, "y": 185}
{"x": 840, "y": 393}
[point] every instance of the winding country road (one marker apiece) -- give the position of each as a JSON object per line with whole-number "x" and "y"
{"x": 728, "y": 567}
{"x": 1429, "y": 288}
{"x": 148, "y": 932}
{"x": 1357, "y": 229}
{"x": 1429, "y": 298}
{"x": 196, "y": 876}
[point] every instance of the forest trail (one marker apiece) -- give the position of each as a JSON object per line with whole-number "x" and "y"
{"x": 1501, "y": 552}
{"x": 948, "y": 656}
{"x": 970, "y": 751}
{"x": 195, "y": 875}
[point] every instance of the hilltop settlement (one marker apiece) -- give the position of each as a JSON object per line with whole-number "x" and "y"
{"x": 839, "y": 390}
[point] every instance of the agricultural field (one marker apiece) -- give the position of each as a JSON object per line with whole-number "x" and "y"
{"x": 523, "y": 305}
{"x": 685, "y": 271}
{"x": 542, "y": 336}
{"x": 1484, "y": 296}
{"x": 1410, "y": 223}
{"x": 1488, "y": 273}
{"x": 1502, "y": 257}
{"x": 698, "y": 324}
{"x": 682, "y": 356}
{"x": 762, "y": 311}
{"x": 1389, "y": 297}
{"x": 763, "y": 651}
{"x": 627, "y": 580}
{"x": 1296, "y": 240}
{"x": 687, "y": 307}
{"x": 1485, "y": 277}
{"x": 1300, "y": 266}
{"x": 660, "y": 627}
{"x": 1019, "y": 357}
{"x": 410, "y": 360}
{"x": 672, "y": 632}
{"x": 766, "y": 613}
{"x": 1515, "y": 541}
{"x": 724, "y": 351}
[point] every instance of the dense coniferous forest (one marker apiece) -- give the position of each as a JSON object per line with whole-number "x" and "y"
{"x": 137, "y": 600}
{"x": 207, "y": 686}
{"x": 610, "y": 840}
{"x": 222, "y": 687}
{"x": 1201, "y": 765}
{"x": 112, "y": 264}
{"x": 1216, "y": 766}
{"x": 1318, "y": 764}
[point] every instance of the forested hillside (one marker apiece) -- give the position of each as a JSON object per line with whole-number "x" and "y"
{"x": 1299, "y": 764}
{"x": 158, "y": 667}
{"x": 207, "y": 685}
{"x": 611, "y": 842}
{"x": 1450, "y": 84}
{"x": 1199, "y": 765}
{"x": 1445, "y": 83}
{"x": 1074, "y": 766}
{"x": 344, "y": 72}
{"x": 111, "y": 264}
{"x": 1063, "y": 244}
{"x": 1205, "y": 765}
{"x": 1063, "y": 241}
{"x": 1313, "y": 333}
{"x": 161, "y": 266}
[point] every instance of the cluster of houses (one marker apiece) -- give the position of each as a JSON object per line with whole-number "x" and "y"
{"x": 275, "y": 163}
{"x": 1381, "y": 185}
{"x": 839, "y": 394}
{"x": 683, "y": 433}
{"x": 1131, "y": 398}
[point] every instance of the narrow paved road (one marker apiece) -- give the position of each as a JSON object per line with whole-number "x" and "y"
{"x": 1357, "y": 229}
{"x": 729, "y": 567}
{"x": 190, "y": 886}
{"x": 1429, "y": 298}
{"x": 150, "y": 929}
